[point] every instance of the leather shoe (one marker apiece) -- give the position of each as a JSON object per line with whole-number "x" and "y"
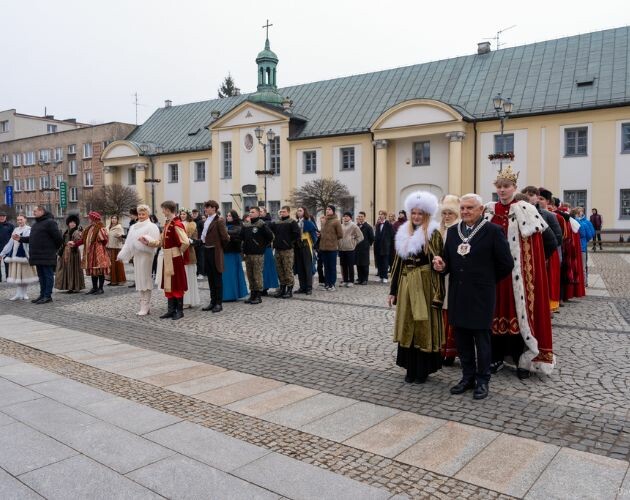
{"x": 408, "y": 379}
{"x": 209, "y": 307}
{"x": 92, "y": 291}
{"x": 522, "y": 374}
{"x": 217, "y": 308}
{"x": 462, "y": 386}
{"x": 44, "y": 300}
{"x": 481, "y": 391}
{"x": 36, "y": 300}
{"x": 99, "y": 292}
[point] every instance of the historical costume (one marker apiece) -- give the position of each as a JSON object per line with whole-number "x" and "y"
{"x": 575, "y": 284}
{"x": 522, "y": 322}
{"x": 142, "y": 256}
{"x": 16, "y": 254}
{"x": 234, "y": 285}
{"x": 214, "y": 237}
{"x": 174, "y": 242}
{"x": 191, "y": 297}
{"x": 418, "y": 292}
{"x": 449, "y": 205}
{"x": 114, "y": 244}
{"x": 69, "y": 273}
{"x": 95, "y": 259}
{"x": 304, "y": 258}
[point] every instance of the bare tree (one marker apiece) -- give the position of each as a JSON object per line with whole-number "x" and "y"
{"x": 318, "y": 193}
{"x": 113, "y": 199}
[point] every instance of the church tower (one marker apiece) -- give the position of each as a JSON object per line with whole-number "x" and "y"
{"x": 267, "y": 90}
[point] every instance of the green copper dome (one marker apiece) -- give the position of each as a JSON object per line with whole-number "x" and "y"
{"x": 267, "y": 89}
{"x": 267, "y": 55}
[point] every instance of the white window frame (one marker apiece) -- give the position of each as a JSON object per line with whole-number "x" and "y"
{"x": 28, "y": 158}
{"x": 625, "y": 138}
{"x": 226, "y": 155}
{"x": 4, "y": 126}
{"x": 17, "y": 185}
{"x": 44, "y": 155}
{"x": 51, "y": 128}
{"x": 347, "y": 153}
{"x": 58, "y": 154}
{"x": 173, "y": 173}
{"x": 5, "y": 158}
{"x": 309, "y": 162}
{"x": 73, "y": 194}
{"x": 6, "y": 174}
{"x": 72, "y": 149}
{"x": 87, "y": 150}
{"x": 58, "y": 180}
{"x": 422, "y": 162}
{"x": 88, "y": 175}
{"x": 17, "y": 159}
{"x": 197, "y": 164}
{"x": 30, "y": 184}
{"x": 72, "y": 167}
{"x": 132, "y": 177}
{"x": 43, "y": 182}
{"x": 274, "y": 155}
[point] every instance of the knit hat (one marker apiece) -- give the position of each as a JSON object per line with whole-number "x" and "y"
{"x": 349, "y": 214}
{"x": 425, "y": 201}
{"x": 450, "y": 202}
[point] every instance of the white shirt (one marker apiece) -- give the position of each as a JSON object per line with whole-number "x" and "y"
{"x": 206, "y": 225}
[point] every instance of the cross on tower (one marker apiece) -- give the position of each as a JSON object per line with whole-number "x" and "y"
{"x": 267, "y": 26}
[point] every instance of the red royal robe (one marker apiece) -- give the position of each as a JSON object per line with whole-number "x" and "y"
{"x": 530, "y": 276}
{"x": 174, "y": 243}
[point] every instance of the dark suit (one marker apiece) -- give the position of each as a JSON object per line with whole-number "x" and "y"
{"x": 383, "y": 246}
{"x": 471, "y": 294}
{"x": 216, "y": 238}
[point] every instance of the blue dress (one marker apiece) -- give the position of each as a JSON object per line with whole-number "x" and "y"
{"x": 234, "y": 285}
{"x": 270, "y": 275}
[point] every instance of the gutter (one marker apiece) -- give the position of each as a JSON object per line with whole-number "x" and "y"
{"x": 373, "y": 179}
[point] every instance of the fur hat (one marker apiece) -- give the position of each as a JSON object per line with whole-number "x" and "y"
{"x": 450, "y": 202}
{"x": 425, "y": 201}
{"x": 73, "y": 218}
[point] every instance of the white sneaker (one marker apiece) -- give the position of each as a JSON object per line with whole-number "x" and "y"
{"x": 25, "y": 297}
{"x": 331, "y": 289}
{"x": 384, "y": 280}
{"x": 349, "y": 285}
{"x": 15, "y": 297}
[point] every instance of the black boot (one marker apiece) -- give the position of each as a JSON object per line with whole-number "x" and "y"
{"x": 279, "y": 292}
{"x": 256, "y": 298}
{"x": 179, "y": 309}
{"x": 288, "y": 292}
{"x": 171, "y": 309}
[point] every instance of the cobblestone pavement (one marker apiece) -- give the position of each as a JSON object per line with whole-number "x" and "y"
{"x": 340, "y": 343}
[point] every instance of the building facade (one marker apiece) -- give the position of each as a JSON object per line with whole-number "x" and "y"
{"x": 429, "y": 126}
{"x": 14, "y": 125}
{"x": 35, "y": 166}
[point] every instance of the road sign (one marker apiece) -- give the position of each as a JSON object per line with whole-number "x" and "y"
{"x": 63, "y": 194}
{"x": 8, "y": 195}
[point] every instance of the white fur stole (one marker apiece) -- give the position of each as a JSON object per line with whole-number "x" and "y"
{"x": 408, "y": 245}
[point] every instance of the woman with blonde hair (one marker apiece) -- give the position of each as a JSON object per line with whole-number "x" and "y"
{"x": 114, "y": 244}
{"x": 142, "y": 256}
{"x": 191, "y": 297}
{"x": 417, "y": 290}
{"x": 449, "y": 212}
{"x": 15, "y": 254}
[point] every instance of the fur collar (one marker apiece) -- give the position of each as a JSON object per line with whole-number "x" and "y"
{"x": 524, "y": 214}
{"x": 407, "y": 245}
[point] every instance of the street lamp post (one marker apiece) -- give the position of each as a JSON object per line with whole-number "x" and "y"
{"x": 271, "y": 135}
{"x": 150, "y": 150}
{"x": 503, "y": 108}
{"x": 49, "y": 188}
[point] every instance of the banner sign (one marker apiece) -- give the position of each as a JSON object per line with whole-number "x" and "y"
{"x": 63, "y": 194}
{"x": 8, "y": 195}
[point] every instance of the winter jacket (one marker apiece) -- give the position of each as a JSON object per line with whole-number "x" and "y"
{"x": 6, "y": 229}
{"x": 286, "y": 233}
{"x": 363, "y": 247}
{"x": 235, "y": 245}
{"x": 352, "y": 235}
{"x": 587, "y": 232}
{"x": 44, "y": 241}
{"x": 256, "y": 237}
{"x": 330, "y": 234}
{"x": 383, "y": 238}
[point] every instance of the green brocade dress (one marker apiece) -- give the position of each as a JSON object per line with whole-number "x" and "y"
{"x": 419, "y": 327}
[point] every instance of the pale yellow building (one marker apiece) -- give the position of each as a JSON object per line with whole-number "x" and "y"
{"x": 384, "y": 134}
{"x": 14, "y": 125}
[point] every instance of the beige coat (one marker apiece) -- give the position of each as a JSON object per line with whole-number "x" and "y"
{"x": 114, "y": 237}
{"x": 352, "y": 235}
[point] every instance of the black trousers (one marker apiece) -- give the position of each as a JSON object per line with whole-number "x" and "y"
{"x": 507, "y": 345}
{"x": 382, "y": 264}
{"x": 363, "y": 273}
{"x": 598, "y": 237}
{"x": 346, "y": 260}
{"x": 475, "y": 352}
{"x": 304, "y": 267}
{"x": 320, "y": 268}
{"x": 200, "y": 261}
{"x": 215, "y": 278}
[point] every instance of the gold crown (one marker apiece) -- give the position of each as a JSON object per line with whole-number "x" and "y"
{"x": 507, "y": 174}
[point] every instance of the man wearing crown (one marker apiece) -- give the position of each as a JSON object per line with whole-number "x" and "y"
{"x": 522, "y": 324}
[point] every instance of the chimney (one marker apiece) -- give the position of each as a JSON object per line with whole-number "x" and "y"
{"x": 49, "y": 117}
{"x": 70, "y": 120}
{"x": 237, "y": 91}
{"x": 483, "y": 47}
{"x": 168, "y": 103}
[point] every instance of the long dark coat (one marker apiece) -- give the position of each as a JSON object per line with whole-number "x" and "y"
{"x": 362, "y": 251}
{"x": 44, "y": 241}
{"x": 383, "y": 239}
{"x": 473, "y": 277}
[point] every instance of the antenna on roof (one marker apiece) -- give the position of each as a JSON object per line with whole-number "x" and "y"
{"x": 136, "y": 104}
{"x": 496, "y": 38}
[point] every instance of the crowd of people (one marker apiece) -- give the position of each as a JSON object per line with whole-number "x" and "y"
{"x": 476, "y": 281}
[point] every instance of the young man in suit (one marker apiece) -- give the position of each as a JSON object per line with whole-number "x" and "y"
{"x": 213, "y": 237}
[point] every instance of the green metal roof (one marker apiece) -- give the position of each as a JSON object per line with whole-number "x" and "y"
{"x": 540, "y": 78}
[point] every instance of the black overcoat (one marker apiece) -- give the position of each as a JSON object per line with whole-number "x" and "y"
{"x": 383, "y": 239}
{"x": 362, "y": 251}
{"x": 44, "y": 241}
{"x": 473, "y": 277}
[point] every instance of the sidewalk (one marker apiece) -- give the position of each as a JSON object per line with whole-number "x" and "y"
{"x": 160, "y": 449}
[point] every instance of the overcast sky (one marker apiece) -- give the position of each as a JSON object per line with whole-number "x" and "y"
{"x": 86, "y": 58}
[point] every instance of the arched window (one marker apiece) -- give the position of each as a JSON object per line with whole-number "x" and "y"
{"x": 273, "y": 79}
{"x": 268, "y": 75}
{"x": 261, "y": 77}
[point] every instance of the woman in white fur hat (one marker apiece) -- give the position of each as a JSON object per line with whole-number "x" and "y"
{"x": 417, "y": 290}
{"x": 449, "y": 212}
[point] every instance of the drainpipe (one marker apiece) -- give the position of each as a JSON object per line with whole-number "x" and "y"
{"x": 373, "y": 180}
{"x": 475, "y": 159}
